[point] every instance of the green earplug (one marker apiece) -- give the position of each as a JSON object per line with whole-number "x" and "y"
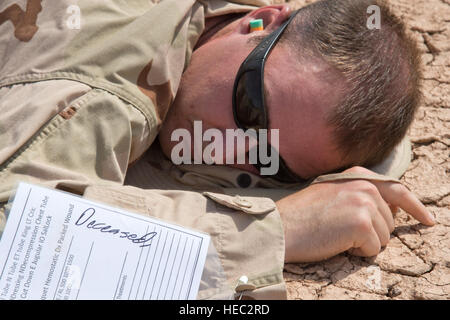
{"x": 256, "y": 25}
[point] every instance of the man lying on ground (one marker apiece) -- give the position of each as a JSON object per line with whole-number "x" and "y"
{"x": 79, "y": 105}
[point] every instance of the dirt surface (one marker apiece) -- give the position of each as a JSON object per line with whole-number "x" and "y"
{"x": 416, "y": 262}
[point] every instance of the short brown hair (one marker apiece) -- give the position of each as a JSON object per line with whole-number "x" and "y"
{"x": 380, "y": 67}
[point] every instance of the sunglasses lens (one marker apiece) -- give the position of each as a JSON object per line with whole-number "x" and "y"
{"x": 249, "y": 109}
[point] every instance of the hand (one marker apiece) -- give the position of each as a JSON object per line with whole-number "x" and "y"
{"x": 328, "y": 218}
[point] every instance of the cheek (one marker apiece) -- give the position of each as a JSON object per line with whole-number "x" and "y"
{"x": 208, "y": 82}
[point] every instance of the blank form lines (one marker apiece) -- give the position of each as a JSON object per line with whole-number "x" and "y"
{"x": 184, "y": 276}
{"x": 179, "y": 267}
{"x": 85, "y": 268}
{"x": 157, "y": 270}
{"x": 165, "y": 266}
{"x": 137, "y": 265}
{"x": 171, "y": 269}
{"x": 120, "y": 276}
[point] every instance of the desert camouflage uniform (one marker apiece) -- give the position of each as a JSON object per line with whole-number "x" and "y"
{"x": 79, "y": 105}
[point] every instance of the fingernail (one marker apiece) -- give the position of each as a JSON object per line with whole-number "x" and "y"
{"x": 431, "y": 218}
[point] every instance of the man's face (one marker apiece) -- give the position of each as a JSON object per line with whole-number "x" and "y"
{"x": 299, "y": 95}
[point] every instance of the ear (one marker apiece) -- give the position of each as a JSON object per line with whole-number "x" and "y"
{"x": 272, "y": 16}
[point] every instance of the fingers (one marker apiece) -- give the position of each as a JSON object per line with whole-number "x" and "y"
{"x": 381, "y": 222}
{"x": 381, "y": 229}
{"x": 370, "y": 247}
{"x": 398, "y": 195}
{"x": 370, "y": 232}
{"x": 394, "y": 209}
{"x": 385, "y": 211}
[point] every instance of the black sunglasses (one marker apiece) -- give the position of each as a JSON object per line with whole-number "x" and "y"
{"x": 249, "y": 109}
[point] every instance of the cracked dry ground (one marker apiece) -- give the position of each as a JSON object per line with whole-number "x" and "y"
{"x": 416, "y": 262}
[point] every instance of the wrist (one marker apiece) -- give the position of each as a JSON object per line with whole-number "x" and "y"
{"x": 282, "y": 210}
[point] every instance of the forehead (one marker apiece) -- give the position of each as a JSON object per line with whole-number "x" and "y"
{"x": 299, "y": 96}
